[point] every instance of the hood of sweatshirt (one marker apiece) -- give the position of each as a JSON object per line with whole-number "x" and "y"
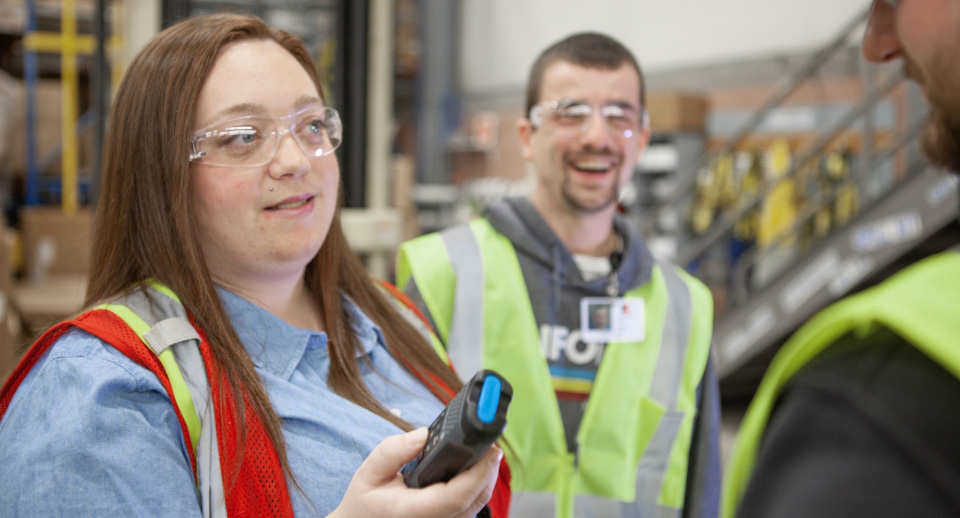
{"x": 535, "y": 241}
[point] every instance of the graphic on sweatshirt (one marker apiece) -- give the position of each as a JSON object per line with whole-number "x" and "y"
{"x": 573, "y": 363}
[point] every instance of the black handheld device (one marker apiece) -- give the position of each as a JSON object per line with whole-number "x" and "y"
{"x": 463, "y": 432}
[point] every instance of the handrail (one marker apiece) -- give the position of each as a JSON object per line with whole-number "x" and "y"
{"x": 790, "y": 83}
{"x": 749, "y": 258}
{"x": 805, "y": 215}
{"x": 784, "y": 88}
{"x": 730, "y": 217}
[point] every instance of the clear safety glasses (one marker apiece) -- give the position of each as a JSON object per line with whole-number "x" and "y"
{"x": 574, "y": 116}
{"x": 253, "y": 140}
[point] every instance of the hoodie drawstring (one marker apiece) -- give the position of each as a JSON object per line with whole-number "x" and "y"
{"x": 555, "y": 286}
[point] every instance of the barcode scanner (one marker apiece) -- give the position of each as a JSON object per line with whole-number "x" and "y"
{"x": 463, "y": 432}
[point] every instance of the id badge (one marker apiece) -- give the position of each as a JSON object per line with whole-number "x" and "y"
{"x": 612, "y": 319}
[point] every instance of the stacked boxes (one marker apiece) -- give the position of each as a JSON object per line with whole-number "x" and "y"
{"x": 677, "y": 111}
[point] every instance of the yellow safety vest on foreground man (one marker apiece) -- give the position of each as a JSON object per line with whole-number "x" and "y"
{"x": 921, "y": 304}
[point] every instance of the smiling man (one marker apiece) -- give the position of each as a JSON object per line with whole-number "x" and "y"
{"x": 857, "y": 415}
{"x": 612, "y": 422}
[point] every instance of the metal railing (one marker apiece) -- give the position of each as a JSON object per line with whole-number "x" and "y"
{"x": 749, "y": 259}
{"x": 729, "y": 218}
{"x": 785, "y": 87}
{"x": 721, "y": 230}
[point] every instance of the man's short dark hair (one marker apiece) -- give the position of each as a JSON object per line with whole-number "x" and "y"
{"x": 585, "y": 49}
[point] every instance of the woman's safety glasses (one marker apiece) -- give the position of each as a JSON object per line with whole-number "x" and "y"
{"x": 253, "y": 140}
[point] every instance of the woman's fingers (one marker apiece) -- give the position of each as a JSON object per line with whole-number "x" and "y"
{"x": 390, "y": 455}
{"x": 378, "y": 491}
{"x": 467, "y": 493}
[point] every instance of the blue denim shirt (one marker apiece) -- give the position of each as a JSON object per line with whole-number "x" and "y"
{"x": 91, "y": 433}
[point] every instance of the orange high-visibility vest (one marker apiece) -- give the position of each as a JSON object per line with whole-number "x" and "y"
{"x": 257, "y": 485}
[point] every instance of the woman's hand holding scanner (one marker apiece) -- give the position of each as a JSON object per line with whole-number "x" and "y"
{"x": 377, "y": 489}
{"x": 472, "y": 421}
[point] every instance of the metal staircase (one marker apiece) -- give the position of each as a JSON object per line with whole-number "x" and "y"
{"x": 914, "y": 211}
{"x": 867, "y": 250}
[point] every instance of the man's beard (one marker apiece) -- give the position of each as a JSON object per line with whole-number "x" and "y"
{"x": 596, "y": 207}
{"x": 941, "y": 136}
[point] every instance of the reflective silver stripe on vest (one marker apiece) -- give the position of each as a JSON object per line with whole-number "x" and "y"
{"x": 654, "y": 463}
{"x": 171, "y": 328}
{"x": 532, "y": 504}
{"x": 666, "y": 385}
{"x": 213, "y": 501}
{"x": 639, "y": 510}
{"x": 157, "y": 309}
{"x": 589, "y": 506}
{"x": 676, "y": 330}
{"x": 465, "y": 343}
{"x": 537, "y": 504}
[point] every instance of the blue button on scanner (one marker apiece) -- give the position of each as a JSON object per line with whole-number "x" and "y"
{"x": 489, "y": 399}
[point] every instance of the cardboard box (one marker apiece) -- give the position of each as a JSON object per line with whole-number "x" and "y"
{"x": 12, "y": 122}
{"x": 677, "y": 111}
{"x": 55, "y": 243}
{"x": 48, "y": 118}
{"x": 13, "y": 344}
{"x": 10, "y": 343}
{"x": 43, "y": 303}
{"x": 8, "y": 354}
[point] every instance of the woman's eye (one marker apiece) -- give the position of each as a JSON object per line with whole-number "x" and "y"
{"x": 238, "y": 137}
{"x": 313, "y": 124}
{"x": 313, "y": 129}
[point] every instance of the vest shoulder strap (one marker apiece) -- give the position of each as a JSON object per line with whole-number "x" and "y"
{"x": 919, "y": 304}
{"x": 256, "y": 482}
{"x": 110, "y": 328}
{"x": 242, "y": 471}
{"x": 160, "y": 321}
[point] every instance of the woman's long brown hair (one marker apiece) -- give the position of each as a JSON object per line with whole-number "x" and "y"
{"x": 144, "y": 227}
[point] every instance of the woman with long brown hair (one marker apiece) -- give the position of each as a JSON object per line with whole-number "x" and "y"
{"x": 218, "y": 244}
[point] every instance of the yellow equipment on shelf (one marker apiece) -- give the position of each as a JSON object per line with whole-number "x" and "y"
{"x": 778, "y": 212}
{"x": 69, "y": 45}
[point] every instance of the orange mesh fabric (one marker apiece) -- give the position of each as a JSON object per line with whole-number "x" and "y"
{"x": 253, "y": 480}
{"x": 499, "y": 503}
{"x": 255, "y": 485}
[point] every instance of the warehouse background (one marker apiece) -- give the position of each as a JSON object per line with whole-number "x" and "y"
{"x": 783, "y": 169}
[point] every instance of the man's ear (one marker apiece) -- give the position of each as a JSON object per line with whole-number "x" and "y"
{"x": 643, "y": 138}
{"x": 525, "y": 135}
